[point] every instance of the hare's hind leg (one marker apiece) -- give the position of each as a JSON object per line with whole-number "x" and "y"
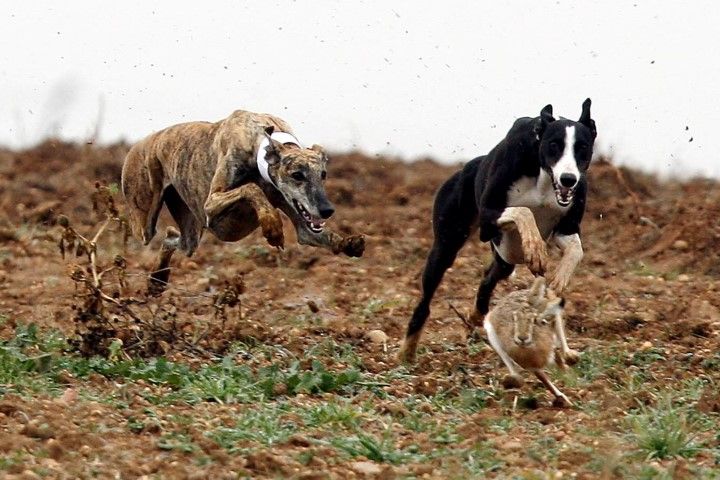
{"x": 560, "y": 399}
{"x": 513, "y": 379}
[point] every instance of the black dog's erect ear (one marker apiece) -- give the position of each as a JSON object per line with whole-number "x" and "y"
{"x": 546, "y": 117}
{"x": 585, "y": 117}
{"x": 546, "y": 114}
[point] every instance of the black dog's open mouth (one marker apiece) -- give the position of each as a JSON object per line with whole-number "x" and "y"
{"x": 563, "y": 195}
{"x": 313, "y": 224}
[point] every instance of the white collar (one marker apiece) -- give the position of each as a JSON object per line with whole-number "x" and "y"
{"x": 262, "y": 164}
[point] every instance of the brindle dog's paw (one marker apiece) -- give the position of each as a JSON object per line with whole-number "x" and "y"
{"x": 512, "y": 381}
{"x": 272, "y": 229}
{"x": 353, "y": 246}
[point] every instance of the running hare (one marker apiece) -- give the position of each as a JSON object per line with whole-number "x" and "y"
{"x": 523, "y": 330}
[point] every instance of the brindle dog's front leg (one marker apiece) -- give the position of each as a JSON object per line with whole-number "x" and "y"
{"x": 267, "y": 216}
{"x": 352, "y": 246}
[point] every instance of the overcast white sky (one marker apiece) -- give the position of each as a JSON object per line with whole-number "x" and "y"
{"x": 409, "y": 78}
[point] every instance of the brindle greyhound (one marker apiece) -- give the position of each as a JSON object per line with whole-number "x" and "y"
{"x": 229, "y": 177}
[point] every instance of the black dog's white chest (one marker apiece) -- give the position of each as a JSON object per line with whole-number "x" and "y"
{"x": 537, "y": 194}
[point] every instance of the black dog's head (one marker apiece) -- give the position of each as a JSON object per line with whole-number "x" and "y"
{"x": 565, "y": 149}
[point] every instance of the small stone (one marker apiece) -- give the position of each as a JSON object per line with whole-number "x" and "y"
{"x": 38, "y": 430}
{"x": 646, "y": 345}
{"x": 511, "y": 445}
{"x": 313, "y": 306}
{"x": 377, "y": 337}
{"x": 683, "y": 277}
{"x": 69, "y": 396}
{"x": 680, "y": 245}
{"x": 55, "y": 450}
{"x": 366, "y": 468}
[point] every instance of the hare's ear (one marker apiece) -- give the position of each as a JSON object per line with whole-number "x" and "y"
{"x": 537, "y": 291}
{"x": 555, "y": 307}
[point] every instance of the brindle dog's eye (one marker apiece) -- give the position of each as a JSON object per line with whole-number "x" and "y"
{"x": 299, "y": 176}
{"x": 323, "y": 175}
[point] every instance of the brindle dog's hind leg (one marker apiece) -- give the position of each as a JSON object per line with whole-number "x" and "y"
{"x": 186, "y": 240}
{"x": 159, "y": 278}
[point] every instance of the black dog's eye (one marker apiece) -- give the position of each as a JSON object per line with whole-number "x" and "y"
{"x": 581, "y": 147}
{"x": 323, "y": 175}
{"x": 554, "y": 147}
{"x": 299, "y": 176}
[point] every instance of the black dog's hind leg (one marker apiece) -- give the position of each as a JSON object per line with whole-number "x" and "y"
{"x": 440, "y": 259}
{"x": 452, "y": 227}
{"x": 498, "y": 270}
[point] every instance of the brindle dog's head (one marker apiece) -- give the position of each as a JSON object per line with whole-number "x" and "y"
{"x": 299, "y": 174}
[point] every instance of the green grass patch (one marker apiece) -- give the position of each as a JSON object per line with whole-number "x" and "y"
{"x": 381, "y": 450}
{"x": 32, "y": 362}
{"x": 664, "y": 431}
{"x": 266, "y": 426}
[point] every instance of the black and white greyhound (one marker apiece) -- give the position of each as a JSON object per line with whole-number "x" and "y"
{"x": 530, "y": 189}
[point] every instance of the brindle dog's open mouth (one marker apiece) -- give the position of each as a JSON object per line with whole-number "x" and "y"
{"x": 313, "y": 224}
{"x": 563, "y": 195}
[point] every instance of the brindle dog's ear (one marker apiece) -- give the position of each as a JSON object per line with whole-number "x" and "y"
{"x": 272, "y": 151}
{"x": 585, "y": 118}
{"x": 545, "y": 118}
{"x": 317, "y": 148}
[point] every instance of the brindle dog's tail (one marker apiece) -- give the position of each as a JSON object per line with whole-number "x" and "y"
{"x": 142, "y": 187}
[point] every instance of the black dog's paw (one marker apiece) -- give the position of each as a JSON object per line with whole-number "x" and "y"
{"x": 353, "y": 246}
